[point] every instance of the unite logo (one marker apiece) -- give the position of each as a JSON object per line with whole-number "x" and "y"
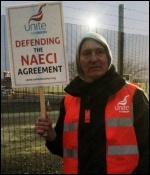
{"x": 36, "y": 28}
{"x": 121, "y": 106}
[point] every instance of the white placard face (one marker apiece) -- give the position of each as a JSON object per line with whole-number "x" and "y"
{"x": 36, "y": 45}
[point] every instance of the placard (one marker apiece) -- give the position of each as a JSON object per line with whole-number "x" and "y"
{"x": 36, "y": 43}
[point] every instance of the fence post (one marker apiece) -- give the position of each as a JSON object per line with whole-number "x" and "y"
{"x": 120, "y": 39}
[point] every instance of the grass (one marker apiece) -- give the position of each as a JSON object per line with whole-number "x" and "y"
{"x": 22, "y": 150}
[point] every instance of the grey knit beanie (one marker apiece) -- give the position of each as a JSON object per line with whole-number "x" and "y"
{"x": 102, "y": 41}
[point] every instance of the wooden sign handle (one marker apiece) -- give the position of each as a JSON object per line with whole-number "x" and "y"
{"x": 42, "y": 104}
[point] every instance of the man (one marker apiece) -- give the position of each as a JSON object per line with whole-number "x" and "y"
{"x": 103, "y": 126}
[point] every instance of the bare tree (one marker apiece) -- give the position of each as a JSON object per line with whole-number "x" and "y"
{"x": 130, "y": 66}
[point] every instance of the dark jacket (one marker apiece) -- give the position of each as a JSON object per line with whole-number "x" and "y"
{"x": 91, "y": 138}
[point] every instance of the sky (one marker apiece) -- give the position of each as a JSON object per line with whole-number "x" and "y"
{"x": 136, "y": 14}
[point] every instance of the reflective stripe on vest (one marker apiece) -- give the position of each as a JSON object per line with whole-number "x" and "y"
{"x": 122, "y": 150}
{"x": 121, "y": 144}
{"x": 70, "y": 153}
{"x": 70, "y": 127}
{"x": 119, "y": 122}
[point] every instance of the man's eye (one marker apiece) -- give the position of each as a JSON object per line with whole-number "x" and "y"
{"x": 100, "y": 52}
{"x": 86, "y": 53}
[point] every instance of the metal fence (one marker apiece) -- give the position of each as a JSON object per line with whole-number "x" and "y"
{"x": 22, "y": 150}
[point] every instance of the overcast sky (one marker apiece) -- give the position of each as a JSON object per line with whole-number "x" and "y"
{"x": 136, "y": 14}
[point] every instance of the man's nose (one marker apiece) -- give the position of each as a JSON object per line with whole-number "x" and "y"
{"x": 94, "y": 56}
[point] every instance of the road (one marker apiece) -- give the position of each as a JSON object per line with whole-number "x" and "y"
{"x": 30, "y": 103}
{"x": 52, "y": 98}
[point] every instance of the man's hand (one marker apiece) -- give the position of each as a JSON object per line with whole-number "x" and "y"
{"x": 44, "y": 125}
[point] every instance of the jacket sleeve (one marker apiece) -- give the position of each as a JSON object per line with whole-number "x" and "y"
{"x": 55, "y": 147}
{"x": 141, "y": 125}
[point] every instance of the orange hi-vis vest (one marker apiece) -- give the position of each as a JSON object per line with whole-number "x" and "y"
{"x": 122, "y": 155}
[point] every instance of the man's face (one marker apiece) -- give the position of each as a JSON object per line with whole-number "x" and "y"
{"x": 93, "y": 59}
